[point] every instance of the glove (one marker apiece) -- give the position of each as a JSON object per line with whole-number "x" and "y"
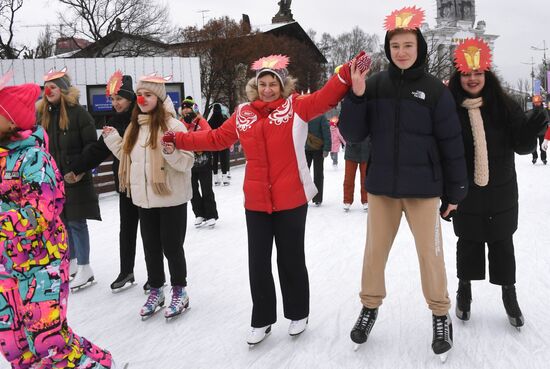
{"x": 363, "y": 63}
{"x": 545, "y": 145}
{"x": 169, "y": 137}
{"x": 443, "y": 208}
{"x": 325, "y": 154}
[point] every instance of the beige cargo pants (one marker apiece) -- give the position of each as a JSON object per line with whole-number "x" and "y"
{"x": 384, "y": 217}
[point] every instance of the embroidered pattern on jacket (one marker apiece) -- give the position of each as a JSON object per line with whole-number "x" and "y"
{"x": 245, "y": 118}
{"x": 283, "y": 114}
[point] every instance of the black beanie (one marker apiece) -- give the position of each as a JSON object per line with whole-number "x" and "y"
{"x": 126, "y": 90}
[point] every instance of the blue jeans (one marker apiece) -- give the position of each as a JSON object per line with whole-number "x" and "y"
{"x": 79, "y": 241}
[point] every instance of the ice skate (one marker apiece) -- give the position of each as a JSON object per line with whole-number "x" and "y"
{"x": 257, "y": 335}
{"x": 366, "y": 207}
{"x": 122, "y": 281}
{"x": 347, "y": 207}
{"x": 217, "y": 180}
{"x": 73, "y": 268}
{"x": 463, "y": 300}
{"x": 210, "y": 223}
{"x": 178, "y": 304}
{"x": 225, "y": 180}
{"x": 146, "y": 288}
{"x": 154, "y": 302}
{"x": 84, "y": 278}
{"x": 442, "y": 336}
{"x": 509, "y": 298}
{"x": 361, "y": 330}
{"x": 296, "y": 327}
{"x": 199, "y": 222}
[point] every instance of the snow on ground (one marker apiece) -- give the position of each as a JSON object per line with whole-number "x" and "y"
{"x": 212, "y": 333}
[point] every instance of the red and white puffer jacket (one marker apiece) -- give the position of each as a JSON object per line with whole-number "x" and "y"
{"x": 276, "y": 177}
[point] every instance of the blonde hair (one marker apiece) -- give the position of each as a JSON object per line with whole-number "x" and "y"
{"x": 68, "y": 98}
{"x": 252, "y": 88}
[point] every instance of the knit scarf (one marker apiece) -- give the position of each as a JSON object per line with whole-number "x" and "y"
{"x": 481, "y": 158}
{"x": 157, "y": 173}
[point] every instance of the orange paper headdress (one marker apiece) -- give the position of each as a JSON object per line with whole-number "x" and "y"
{"x": 275, "y": 64}
{"x": 405, "y": 18}
{"x": 155, "y": 78}
{"x": 472, "y": 54}
{"x": 114, "y": 84}
{"x": 55, "y": 74}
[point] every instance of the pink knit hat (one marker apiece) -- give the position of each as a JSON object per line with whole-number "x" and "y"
{"x": 17, "y": 104}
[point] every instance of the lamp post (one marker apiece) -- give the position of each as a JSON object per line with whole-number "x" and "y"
{"x": 544, "y": 63}
{"x": 532, "y": 75}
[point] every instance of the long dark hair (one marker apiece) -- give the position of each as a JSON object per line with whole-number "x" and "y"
{"x": 495, "y": 100}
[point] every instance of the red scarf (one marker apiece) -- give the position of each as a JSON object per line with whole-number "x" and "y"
{"x": 265, "y": 108}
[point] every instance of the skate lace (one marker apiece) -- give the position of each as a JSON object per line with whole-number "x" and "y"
{"x": 177, "y": 296}
{"x": 365, "y": 320}
{"x": 153, "y": 298}
{"x": 441, "y": 328}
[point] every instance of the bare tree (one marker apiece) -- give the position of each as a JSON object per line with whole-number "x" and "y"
{"x": 45, "y": 47}
{"x": 439, "y": 62}
{"x": 94, "y": 19}
{"x": 8, "y": 8}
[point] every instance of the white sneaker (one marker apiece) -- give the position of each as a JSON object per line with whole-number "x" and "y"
{"x": 297, "y": 326}
{"x": 229, "y": 174}
{"x": 346, "y": 207}
{"x": 257, "y": 335}
{"x": 366, "y": 206}
{"x": 73, "y": 268}
{"x": 198, "y": 221}
{"x": 225, "y": 180}
{"x": 83, "y": 276}
{"x": 217, "y": 180}
{"x": 210, "y": 222}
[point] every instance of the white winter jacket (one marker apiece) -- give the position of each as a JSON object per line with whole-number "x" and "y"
{"x": 178, "y": 169}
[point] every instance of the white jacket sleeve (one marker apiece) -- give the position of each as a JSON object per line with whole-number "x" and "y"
{"x": 180, "y": 160}
{"x": 114, "y": 143}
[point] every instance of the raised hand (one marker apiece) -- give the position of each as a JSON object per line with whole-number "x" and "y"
{"x": 358, "y": 75}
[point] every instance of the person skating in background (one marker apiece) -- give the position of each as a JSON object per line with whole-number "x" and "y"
{"x": 159, "y": 183}
{"x": 220, "y": 157}
{"x": 336, "y": 140}
{"x": 416, "y": 160}
{"x": 356, "y": 156}
{"x": 272, "y": 128}
{"x": 494, "y": 129}
{"x": 121, "y": 92}
{"x": 537, "y": 105}
{"x": 71, "y": 129}
{"x": 318, "y": 145}
{"x": 204, "y": 200}
{"x": 34, "y": 260}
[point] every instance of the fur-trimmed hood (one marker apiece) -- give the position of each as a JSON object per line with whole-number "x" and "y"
{"x": 252, "y": 88}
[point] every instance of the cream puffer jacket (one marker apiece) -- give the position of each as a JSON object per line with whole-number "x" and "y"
{"x": 178, "y": 169}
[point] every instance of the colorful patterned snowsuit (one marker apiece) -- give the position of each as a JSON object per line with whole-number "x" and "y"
{"x": 34, "y": 263}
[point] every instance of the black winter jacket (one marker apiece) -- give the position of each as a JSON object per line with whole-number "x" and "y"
{"x": 416, "y": 141}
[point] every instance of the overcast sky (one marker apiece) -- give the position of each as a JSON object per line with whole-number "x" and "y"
{"x": 520, "y": 24}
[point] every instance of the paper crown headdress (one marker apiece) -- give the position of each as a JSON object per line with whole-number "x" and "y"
{"x": 407, "y": 18}
{"x": 155, "y": 78}
{"x": 275, "y": 64}
{"x": 6, "y": 78}
{"x": 472, "y": 54}
{"x": 114, "y": 84}
{"x": 55, "y": 74}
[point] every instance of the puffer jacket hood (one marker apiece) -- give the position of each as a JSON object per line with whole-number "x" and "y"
{"x": 35, "y": 138}
{"x": 419, "y": 65}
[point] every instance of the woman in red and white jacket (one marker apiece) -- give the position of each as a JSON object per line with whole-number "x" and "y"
{"x": 272, "y": 128}
{"x": 546, "y": 139}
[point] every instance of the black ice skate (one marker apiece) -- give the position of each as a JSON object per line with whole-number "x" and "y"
{"x": 360, "y": 332}
{"x": 121, "y": 281}
{"x": 510, "y": 301}
{"x": 463, "y": 300}
{"x": 443, "y": 335}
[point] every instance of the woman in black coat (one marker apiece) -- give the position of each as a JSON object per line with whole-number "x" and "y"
{"x": 494, "y": 129}
{"x": 71, "y": 129}
{"x": 222, "y": 156}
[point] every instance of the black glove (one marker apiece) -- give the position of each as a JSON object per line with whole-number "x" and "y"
{"x": 443, "y": 208}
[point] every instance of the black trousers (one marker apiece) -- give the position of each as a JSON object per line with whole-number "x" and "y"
{"x": 203, "y": 201}
{"x": 129, "y": 218}
{"x": 288, "y": 229}
{"x": 542, "y": 152}
{"x": 318, "y": 177}
{"x": 163, "y": 232}
{"x": 470, "y": 261}
{"x": 223, "y": 157}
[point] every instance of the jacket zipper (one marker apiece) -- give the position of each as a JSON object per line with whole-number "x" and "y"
{"x": 396, "y": 136}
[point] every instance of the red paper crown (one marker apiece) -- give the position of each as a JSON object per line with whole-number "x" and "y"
{"x": 55, "y": 74}
{"x": 271, "y": 62}
{"x": 405, "y": 18}
{"x": 155, "y": 78}
{"x": 114, "y": 84}
{"x": 472, "y": 54}
{"x": 6, "y": 78}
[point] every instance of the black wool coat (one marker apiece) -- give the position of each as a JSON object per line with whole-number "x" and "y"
{"x": 490, "y": 213}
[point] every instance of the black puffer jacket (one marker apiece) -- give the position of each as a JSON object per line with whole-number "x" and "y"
{"x": 66, "y": 146}
{"x": 416, "y": 143}
{"x": 490, "y": 213}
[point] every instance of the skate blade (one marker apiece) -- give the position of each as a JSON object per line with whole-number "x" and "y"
{"x": 252, "y": 345}
{"x": 356, "y": 346}
{"x": 443, "y": 357}
{"x": 90, "y": 283}
{"x": 148, "y": 316}
{"x": 127, "y": 286}
{"x": 173, "y": 317}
